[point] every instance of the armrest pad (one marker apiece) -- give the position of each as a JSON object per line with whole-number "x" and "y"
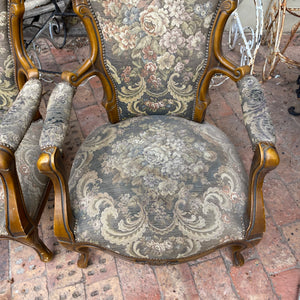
{"x": 57, "y": 116}
{"x": 18, "y": 118}
{"x": 256, "y": 115}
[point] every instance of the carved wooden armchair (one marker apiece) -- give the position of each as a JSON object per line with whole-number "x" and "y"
{"x": 23, "y": 190}
{"x": 160, "y": 184}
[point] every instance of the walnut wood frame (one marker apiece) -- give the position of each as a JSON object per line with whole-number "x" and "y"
{"x": 265, "y": 156}
{"x": 19, "y": 225}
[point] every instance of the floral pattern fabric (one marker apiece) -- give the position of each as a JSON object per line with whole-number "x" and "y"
{"x": 256, "y": 115}
{"x": 158, "y": 188}
{"x": 57, "y": 117}
{"x": 17, "y": 119}
{"x": 155, "y": 52}
{"x": 8, "y": 87}
{"x": 32, "y": 183}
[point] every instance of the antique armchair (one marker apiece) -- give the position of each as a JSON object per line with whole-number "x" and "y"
{"x": 23, "y": 190}
{"x": 159, "y": 185}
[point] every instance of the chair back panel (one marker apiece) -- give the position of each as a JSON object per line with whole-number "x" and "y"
{"x": 8, "y": 87}
{"x": 155, "y": 52}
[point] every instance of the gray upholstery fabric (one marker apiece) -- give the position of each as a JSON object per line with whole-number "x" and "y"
{"x": 32, "y": 182}
{"x": 57, "y": 117}
{"x": 158, "y": 188}
{"x": 8, "y": 87}
{"x": 155, "y": 52}
{"x": 18, "y": 118}
{"x": 256, "y": 115}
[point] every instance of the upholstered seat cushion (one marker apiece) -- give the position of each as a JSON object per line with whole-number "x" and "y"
{"x": 32, "y": 182}
{"x": 158, "y": 188}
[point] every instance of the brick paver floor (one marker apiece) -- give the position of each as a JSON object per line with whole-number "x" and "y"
{"x": 271, "y": 269}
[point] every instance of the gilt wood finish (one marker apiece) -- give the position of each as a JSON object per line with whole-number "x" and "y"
{"x": 24, "y": 66}
{"x": 19, "y": 225}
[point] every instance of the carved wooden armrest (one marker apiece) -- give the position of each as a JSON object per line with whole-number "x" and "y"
{"x": 17, "y": 219}
{"x": 20, "y": 115}
{"x": 57, "y": 116}
{"x": 265, "y": 159}
{"x": 256, "y": 115}
{"x": 51, "y": 164}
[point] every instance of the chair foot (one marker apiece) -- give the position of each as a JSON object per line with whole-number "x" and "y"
{"x": 238, "y": 259}
{"x": 38, "y": 245}
{"x": 83, "y": 258}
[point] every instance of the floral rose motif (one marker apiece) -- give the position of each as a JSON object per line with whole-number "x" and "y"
{"x": 154, "y": 80}
{"x": 195, "y": 41}
{"x": 126, "y": 73}
{"x": 173, "y": 40}
{"x": 125, "y": 38}
{"x": 166, "y": 61}
{"x": 111, "y": 7}
{"x": 148, "y": 53}
{"x": 179, "y": 67}
{"x": 154, "y": 21}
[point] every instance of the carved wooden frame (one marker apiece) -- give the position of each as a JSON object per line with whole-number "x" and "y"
{"x": 265, "y": 157}
{"x": 19, "y": 225}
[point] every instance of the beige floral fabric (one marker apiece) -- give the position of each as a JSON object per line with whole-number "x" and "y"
{"x": 8, "y": 87}
{"x": 18, "y": 118}
{"x": 256, "y": 115}
{"x": 155, "y": 52}
{"x": 158, "y": 188}
{"x": 57, "y": 117}
{"x": 33, "y": 183}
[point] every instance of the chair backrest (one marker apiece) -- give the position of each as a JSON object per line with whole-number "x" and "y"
{"x": 8, "y": 86}
{"x": 157, "y": 56}
{"x": 15, "y": 66}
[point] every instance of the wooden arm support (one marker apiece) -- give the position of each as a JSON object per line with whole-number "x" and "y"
{"x": 17, "y": 220}
{"x": 51, "y": 164}
{"x": 24, "y": 66}
{"x": 265, "y": 159}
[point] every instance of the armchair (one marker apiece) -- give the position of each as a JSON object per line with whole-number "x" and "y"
{"x": 23, "y": 190}
{"x": 159, "y": 184}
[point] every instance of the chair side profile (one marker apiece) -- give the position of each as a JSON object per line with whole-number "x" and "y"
{"x": 159, "y": 184}
{"x": 23, "y": 190}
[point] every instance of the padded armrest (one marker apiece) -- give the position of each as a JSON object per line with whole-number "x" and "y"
{"x": 256, "y": 115}
{"x": 20, "y": 115}
{"x": 57, "y": 116}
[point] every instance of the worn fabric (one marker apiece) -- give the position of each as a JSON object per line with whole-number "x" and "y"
{"x": 155, "y": 52}
{"x": 57, "y": 116}
{"x": 256, "y": 115}
{"x": 33, "y": 183}
{"x": 18, "y": 118}
{"x": 158, "y": 187}
{"x": 8, "y": 87}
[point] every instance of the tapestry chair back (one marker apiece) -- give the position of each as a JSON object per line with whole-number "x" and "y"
{"x": 8, "y": 86}
{"x": 158, "y": 55}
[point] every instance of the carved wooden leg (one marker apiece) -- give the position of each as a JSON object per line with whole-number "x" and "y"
{"x": 83, "y": 258}
{"x": 238, "y": 259}
{"x": 38, "y": 245}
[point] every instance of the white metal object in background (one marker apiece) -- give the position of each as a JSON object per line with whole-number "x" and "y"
{"x": 251, "y": 38}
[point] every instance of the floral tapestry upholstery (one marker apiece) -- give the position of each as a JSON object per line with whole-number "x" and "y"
{"x": 18, "y": 118}
{"x": 32, "y": 182}
{"x": 155, "y": 52}
{"x": 158, "y": 188}
{"x": 255, "y": 112}
{"x": 8, "y": 87}
{"x": 58, "y": 115}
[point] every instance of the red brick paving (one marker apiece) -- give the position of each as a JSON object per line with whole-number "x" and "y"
{"x": 271, "y": 269}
